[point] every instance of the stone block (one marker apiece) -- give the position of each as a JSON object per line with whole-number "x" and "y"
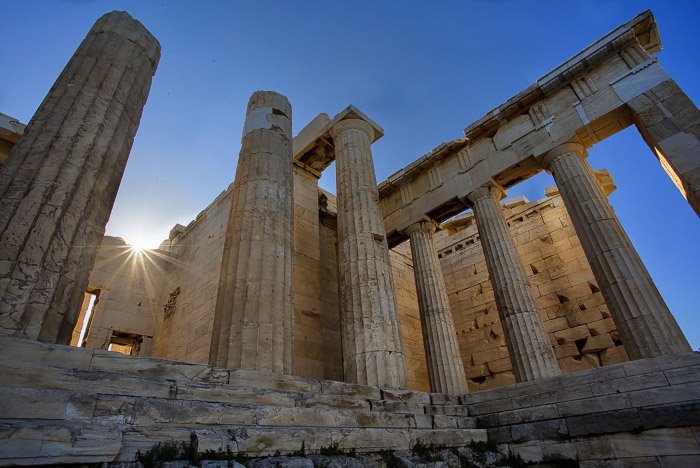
{"x": 579, "y": 363}
{"x": 598, "y": 343}
{"x": 683, "y": 375}
{"x": 593, "y": 448}
{"x": 570, "y": 335}
{"x": 657, "y": 442}
{"x": 614, "y": 355}
{"x": 661, "y": 395}
{"x": 583, "y": 317}
{"x": 603, "y": 422}
{"x": 626, "y": 384}
{"x": 559, "y": 451}
{"x": 240, "y": 395}
{"x": 667, "y": 362}
{"x": 533, "y": 413}
{"x": 597, "y": 404}
{"x": 405, "y": 395}
{"x": 566, "y": 350}
{"x": 562, "y": 394}
{"x": 680, "y": 415}
{"x": 674, "y": 461}
{"x": 36, "y": 352}
{"x": 530, "y": 452}
{"x": 539, "y": 430}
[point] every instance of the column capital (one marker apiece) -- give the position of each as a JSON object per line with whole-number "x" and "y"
{"x": 427, "y": 225}
{"x": 352, "y": 124}
{"x": 491, "y": 189}
{"x": 571, "y": 147}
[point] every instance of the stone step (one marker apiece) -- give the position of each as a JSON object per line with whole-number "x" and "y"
{"x": 51, "y": 442}
{"x": 26, "y": 402}
{"x": 86, "y": 359}
{"x": 91, "y": 383}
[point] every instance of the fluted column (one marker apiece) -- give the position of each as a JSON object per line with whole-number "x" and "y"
{"x": 60, "y": 180}
{"x": 255, "y": 303}
{"x": 445, "y": 366}
{"x": 528, "y": 345}
{"x": 645, "y": 323}
{"x": 372, "y": 347}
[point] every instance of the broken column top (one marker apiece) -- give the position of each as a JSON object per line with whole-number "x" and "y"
{"x": 121, "y": 23}
{"x": 268, "y": 110}
{"x": 270, "y": 99}
{"x": 314, "y": 149}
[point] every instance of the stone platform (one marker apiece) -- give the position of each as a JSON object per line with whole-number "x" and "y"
{"x": 74, "y": 405}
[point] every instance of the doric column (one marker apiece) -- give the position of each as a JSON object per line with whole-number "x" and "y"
{"x": 528, "y": 345}
{"x": 439, "y": 336}
{"x": 255, "y": 304}
{"x": 372, "y": 347}
{"x": 60, "y": 180}
{"x": 646, "y": 326}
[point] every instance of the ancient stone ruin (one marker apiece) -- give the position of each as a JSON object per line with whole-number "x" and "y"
{"x": 286, "y": 319}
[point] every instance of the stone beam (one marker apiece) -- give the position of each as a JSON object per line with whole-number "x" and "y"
{"x": 314, "y": 147}
{"x": 587, "y": 97}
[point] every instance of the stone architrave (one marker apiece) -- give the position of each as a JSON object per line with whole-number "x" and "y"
{"x": 445, "y": 367}
{"x": 60, "y": 180}
{"x": 668, "y": 121}
{"x": 372, "y": 347}
{"x": 255, "y": 303}
{"x": 646, "y": 325}
{"x": 528, "y": 345}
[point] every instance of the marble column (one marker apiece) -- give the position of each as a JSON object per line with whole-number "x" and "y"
{"x": 445, "y": 366}
{"x": 528, "y": 345}
{"x": 255, "y": 303}
{"x": 60, "y": 180}
{"x": 372, "y": 347}
{"x": 646, "y": 326}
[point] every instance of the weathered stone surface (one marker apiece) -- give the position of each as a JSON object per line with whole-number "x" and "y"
{"x": 61, "y": 178}
{"x": 255, "y": 302}
{"x": 372, "y": 345}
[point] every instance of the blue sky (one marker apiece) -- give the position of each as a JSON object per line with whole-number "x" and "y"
{"x": 422, "y": 70}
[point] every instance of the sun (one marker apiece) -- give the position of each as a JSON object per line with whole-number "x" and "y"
{"x": 138, "y": 245}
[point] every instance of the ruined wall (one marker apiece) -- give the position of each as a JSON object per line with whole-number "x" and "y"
{"x": 191, "y": 262}
{"x": 573, "y": 310}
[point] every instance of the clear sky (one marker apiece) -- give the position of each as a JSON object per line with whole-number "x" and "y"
{"x": 422, "y": 70}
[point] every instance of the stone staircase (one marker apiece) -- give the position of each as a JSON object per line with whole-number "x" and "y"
{"x": 74, "y": 405}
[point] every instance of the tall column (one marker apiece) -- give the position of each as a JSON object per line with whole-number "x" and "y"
{"x": 530, "y": 351}
{"x": 372, "y": 348}
{"x": 255, "y": 304}
{"x": 646, "y": 326}
{"x": 60, "y": 180}
{"x": 439, "y": 336}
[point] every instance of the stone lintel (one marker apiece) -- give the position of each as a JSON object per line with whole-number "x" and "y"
{"x": 10, "y": 128}
{"x": 314, "y": 149}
